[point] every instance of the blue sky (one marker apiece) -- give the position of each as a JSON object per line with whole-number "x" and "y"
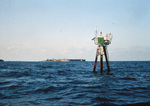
{"x": 34, "y": 30}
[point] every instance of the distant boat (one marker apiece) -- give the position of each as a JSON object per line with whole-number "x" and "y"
{"x": 1, "y": 60}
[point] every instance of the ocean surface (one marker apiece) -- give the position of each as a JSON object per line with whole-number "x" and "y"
{"x": 74, "y": 84}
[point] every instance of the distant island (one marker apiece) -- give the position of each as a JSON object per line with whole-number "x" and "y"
{"x": 1, "y": 60}
{"x": 64, "y": 60}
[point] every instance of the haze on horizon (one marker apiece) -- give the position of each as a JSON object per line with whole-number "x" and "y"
{"x": 34, "y": 30}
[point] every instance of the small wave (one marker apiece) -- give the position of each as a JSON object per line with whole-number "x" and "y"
{"x": 34, "y": 103}
{"x": 78, "y": 95}
{"x": 138, "y": 104}
{"x": 2, "y": 104}
{"x": 49, "y": 76}
{"x": 61, "y": 72}
{"x": 50, "y": 89}
{"x": 92, "y": 87}
{"x": 5, "y": 82}
{"x": 15, "y": 73}
{"x": 45, "y": 90}
{"x": 11, "y": 96}
{"x": 123, "y": 89}
{"x": 125, "y": 93}
{"x": 1, "y": 96}
{"x": 55, "y": 98}
{"x": 44, "y": 66}
{"x": 2, "y": 66}
{"x": 138, "y": 88}
{"x": 102, "y": 99}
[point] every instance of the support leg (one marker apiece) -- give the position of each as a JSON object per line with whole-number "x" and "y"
{"x": 106, "y": 59}
{"x": 101, "y": 63}
{"x": 95, "y": 62}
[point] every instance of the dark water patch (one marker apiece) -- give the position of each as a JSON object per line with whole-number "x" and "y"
{"x": 125, "y": 93}
{"x": 138, "y": 104}
{"x": 128, "y": 78}
{"x": 61, "y": 72}
{"x": 77, "y": 96}
{"x": 14, "y": 96}
{"x": 78, "y": 82}
{"x": 1, "y": 96}
{"x": 3, "y": 66}
{"x": 42, "y": 67}
{"x": 45, "y": 90}
{"x": 3, "y": 104}
{"x": 55, "y": 98}
{"x": 50, "y": 89}
{"x": 92, "y": 87}
{"x": 4, "y": 82}
{"x": 101, "y": 99}
{"x": 123, "y": 89}
{"x": 49, "y": 76}
{"x": 16, "y": 73}
{"x": 140, "y": 88}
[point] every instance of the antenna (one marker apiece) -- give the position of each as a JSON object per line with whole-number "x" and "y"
{"x": 96, "y": 31}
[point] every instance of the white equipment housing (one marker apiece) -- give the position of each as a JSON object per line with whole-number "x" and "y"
{"x": 103, "y": 40}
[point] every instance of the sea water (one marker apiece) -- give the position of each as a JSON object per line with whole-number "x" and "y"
{"x": 74, "y": 83}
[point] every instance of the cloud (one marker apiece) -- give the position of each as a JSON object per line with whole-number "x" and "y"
{"x": 43, "y": 50}
{"x": 10, "y": 48}
{"x": 132, "y": 53}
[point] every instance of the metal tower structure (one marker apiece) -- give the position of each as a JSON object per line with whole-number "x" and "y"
{"x": 102, "y": 42}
